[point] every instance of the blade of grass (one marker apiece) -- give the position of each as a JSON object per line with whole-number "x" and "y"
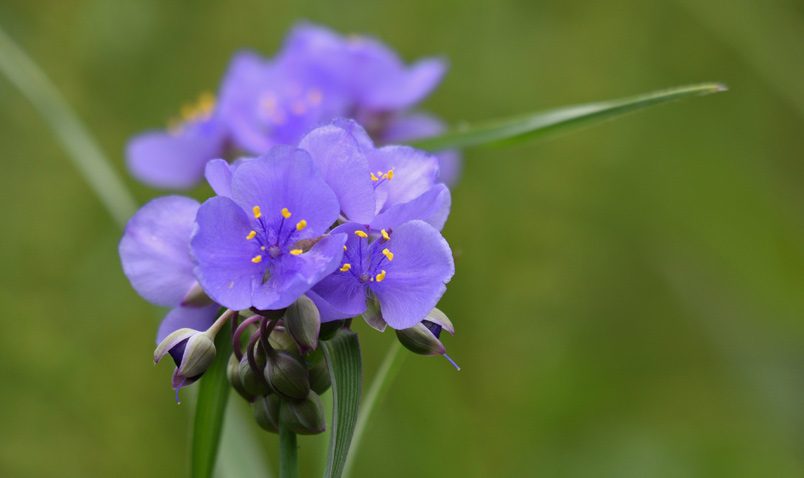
{"x": 534, "y": 125}
{"x": 81, "y": 149}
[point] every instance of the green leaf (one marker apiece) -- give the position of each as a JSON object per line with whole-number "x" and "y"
{"x": 535, "y": 125}
{"x": 239, "y": 452}
{"x": 343, "y": 359}
{"x": 213, "y": 393}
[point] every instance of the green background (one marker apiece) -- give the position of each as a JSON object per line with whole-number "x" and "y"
{"x": 629, "y": 298}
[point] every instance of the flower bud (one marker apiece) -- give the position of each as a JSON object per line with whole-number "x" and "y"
{"x": 196, "y": 297}
{"x": 233, "y": 374}
{"x": 252, "y": 380}
{"x": 266, "y": 412}
{"x": 303, "y": 321}
{"x": 319, "y": 374}
{"x": 192, "y": 352}
{"x": 305, "y": 417}
{"x": 424, "y": 337}
{"x": 280, "y": 339}
{"x": 287, "y": 375}
{"x": 373, "y": 315}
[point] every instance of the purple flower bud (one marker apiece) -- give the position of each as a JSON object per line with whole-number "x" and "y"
{"x": 424, "y": 337}
{"x": 192, "y": 352}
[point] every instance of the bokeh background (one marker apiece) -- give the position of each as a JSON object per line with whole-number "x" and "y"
{"x": 629, "y": 298}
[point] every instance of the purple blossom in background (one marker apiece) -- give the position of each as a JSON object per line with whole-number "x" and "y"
{"x": 265, "y": 245}
{"x": 318, "y": 75}
{"x": 405, "y": 269}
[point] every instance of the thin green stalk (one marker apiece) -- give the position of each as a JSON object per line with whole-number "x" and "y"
{"x": 82, "y": 150}
{"x": 390, "y": 367}
{"x": 288, "y": 453}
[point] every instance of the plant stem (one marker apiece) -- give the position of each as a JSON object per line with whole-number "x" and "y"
{"x": 385, "y": 376}
{"x": 288, "y": 459}
{"x": 81, "y": 149}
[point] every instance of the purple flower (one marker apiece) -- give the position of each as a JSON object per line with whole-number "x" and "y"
{"x": 406, "y": 270}
{"x": 266, "y": 244}
{"x": 418, "y": 126}
{"x": 155, "y": 254}
{"x": 175, "y": 158}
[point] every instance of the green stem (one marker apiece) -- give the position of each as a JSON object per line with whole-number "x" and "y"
{"x": 385, "y": 376}
{"x": 288, "y": 457}
{"x": 68, "y": 129}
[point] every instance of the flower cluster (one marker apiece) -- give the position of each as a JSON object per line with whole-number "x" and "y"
{"x": 303, "y": 238}
{"x": 316, "y": 77}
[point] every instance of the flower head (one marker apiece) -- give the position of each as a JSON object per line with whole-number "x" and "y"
{"x": 266, "y": 244}
{"x": 405, "y": 269}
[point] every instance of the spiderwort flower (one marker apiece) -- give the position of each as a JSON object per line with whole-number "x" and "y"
{"x": 266, "y": 245}
{"x": 405, "y": 269}
{"x": 175, "y": 158}
{"x": 155, "y": 254}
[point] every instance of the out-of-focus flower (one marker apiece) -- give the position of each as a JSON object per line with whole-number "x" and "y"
{"x": 266, "y": 245}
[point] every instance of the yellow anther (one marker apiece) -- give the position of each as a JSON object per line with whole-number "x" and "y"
{"x": 257, "y": 212}
{"x": 380, "y": 277}
{"x": 262, "y": 248}
{"x": 256, "y": 259}
{"x": 361, "y": 234}
{"x": 388, "y": 254}
{"x": 251, "y": 235}
{"x": 385, "y": 235}
{"x": 201, "y": 109}
{"x": 301, "y": 225}
{"x": 389, "y": 175}
{"x": 345, "y": 267}
{"x": 285, "y": 213}
{"x": 374, "y": 177}
{"x": 344, "y": 248}
{"x": 296, "y": 252}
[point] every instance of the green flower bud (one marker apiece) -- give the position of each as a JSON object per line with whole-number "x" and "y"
{"x": 304, "y": 417}
{"x": 266, "y": 412}
{"x": 252, "y": 380}
{"x": 233, "y": 374}
{"x": 373, "y": 315}
{"x": 287, "y": 375}
{"x": 319, "y": 375}
{"x": 280, "y": 339}
{"x": 303, "y": 321}
{"x": 419, "y": 340}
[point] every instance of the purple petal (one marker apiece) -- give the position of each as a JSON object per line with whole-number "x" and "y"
{"x": 196, "y": 318}
{"x": 175, "y": 160}
{"x": 342, "y": 162}
{"x": 403, "y": 88}
{"x": 431, "y": 207}
{"x": 415, "y": 280}
{"x": 286, "y": 178}
{"x": 415, "y": 172}
{"x": 219, "y": 176}
{"x": 222, "y": 255}
{"x": 292, "y": 276}
{"x": 155, "y": 251}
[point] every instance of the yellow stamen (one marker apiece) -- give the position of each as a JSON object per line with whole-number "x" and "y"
{"x": 256, "y": 259}
{"x": 361, "y": 234}
{"x": 257, "y": 212}
{"x": 296, "y": 252}
{"x": 381, "y": 276}
{"x": 345, "y": 267}
{"x": 344, "y": 248}
{"x": 374, "y": 177}
{"x": 285, "y": 213}
{"x": 385, "y": 235}
{"x": 301, "y": 225}
{"x": 388, "y": 254}
{"x": 262, "y": 248}
{"x": 251, "y": 235}
{"x": 389, "y": 175}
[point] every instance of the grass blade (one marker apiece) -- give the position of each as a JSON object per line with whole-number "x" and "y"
{"x": 534, "y": 125}
{"x": 343, "y": 359}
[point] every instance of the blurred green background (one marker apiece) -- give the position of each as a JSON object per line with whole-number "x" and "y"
{"x": 629, "y": 298}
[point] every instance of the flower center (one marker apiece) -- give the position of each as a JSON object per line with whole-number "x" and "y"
{"x": 365, "y": 260}
{"x": 199, "y": 110}
{"x": 273, "y": 239}
{"x": 381, "y": 177}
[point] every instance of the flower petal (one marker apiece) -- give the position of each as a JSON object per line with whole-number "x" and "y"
{"x": 175, "y": 160}
{"x": 431, "y": 207}
{"x": 292, "y": 276}
{"x": 219, "y": 176}
{"x": 414, "y": 172}
{"x": 222, "y": 255}
{"x": 155, "y": 250}
{"x": 286, "y": 178}
{"x": 404, "y": 87}
{"x": 416, "y": 278}
{"x": 419, "y": 125}
{"x": 339, "y": 157}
